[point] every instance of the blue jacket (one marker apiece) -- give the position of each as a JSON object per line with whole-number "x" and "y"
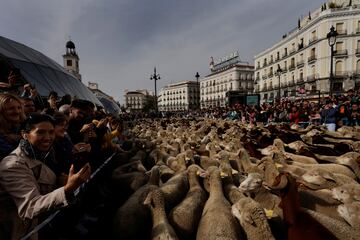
{"x": 328, "y": 115}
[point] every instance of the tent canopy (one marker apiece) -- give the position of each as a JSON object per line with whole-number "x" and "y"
{"x": 42, "y": 72}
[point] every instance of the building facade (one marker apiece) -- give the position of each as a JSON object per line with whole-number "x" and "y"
{"x": 182, "y": 96}
{"x": 228, "y": 74}
{"x": 71, "y": 60}
{"x": 299, "y": 65}
{"x": 136, "y": 100}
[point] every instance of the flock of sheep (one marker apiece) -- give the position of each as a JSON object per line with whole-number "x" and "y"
{"x": 219, "y": 179}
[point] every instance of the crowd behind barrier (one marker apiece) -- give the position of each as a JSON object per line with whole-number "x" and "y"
{"x": 48, "y": 148}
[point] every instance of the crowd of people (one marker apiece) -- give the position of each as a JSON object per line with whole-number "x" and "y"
{"x": 334, "y": 112}
{"x": 48, "y": 148}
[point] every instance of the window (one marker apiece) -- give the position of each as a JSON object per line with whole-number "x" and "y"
{"x": 339, "y": 68}
{"x": 339, "y": 46}
{"x": 69, "y": 63}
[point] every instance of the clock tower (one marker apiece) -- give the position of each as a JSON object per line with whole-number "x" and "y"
{"x": 71, "y": 60}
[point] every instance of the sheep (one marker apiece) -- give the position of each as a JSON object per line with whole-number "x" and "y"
{"x": 185, "y": 217}
{"x": 161, "y": 229}
{"x": 175, "y": 189}
{"x": 132, "y": 218}
{"x": 299, "y": 223}
{"x": 347, "y": 193}
{"x": 322, "y": 179}
{"x": 217, "y": 221}
{"x": 252, "y": 219}
{"x": 340, "y": 229}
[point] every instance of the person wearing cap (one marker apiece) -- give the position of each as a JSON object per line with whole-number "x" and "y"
{"x": 27, "y": 180}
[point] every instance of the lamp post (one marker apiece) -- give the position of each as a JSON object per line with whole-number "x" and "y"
{"x": 155, "y": 77}
{"x": 278, "y": 73}
{"x": 197, "y": 76}
{"x": 331, "y": 36}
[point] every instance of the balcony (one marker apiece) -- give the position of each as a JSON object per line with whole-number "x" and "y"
{"x": 292, "y": 51}
{"x": 284, "y": 85}
{"x": 312, "y": 77}
{"x": 300, "y": 63}
{"x": 357, "y": 30}
{"x": 284, "y": 70}
{"x": 264, "y": 64}
{"x": 300, "y": 80}
{"x": 270, "y": 88}
{"x": 291, "y": 83}
{"x": 284, "y": 55}
{"x": 271, "y": 62}
{"x": 264, "y": 77}
{"x": 277, "y": 58}
{"x": 340, "y": 53}
{"x": 291, "y": 67}
{"x": 271, "y": 75}
{"x": 356, "y": 73}
{"x": 342, "y": 32}
{"x": 264, "y": 89}
{"x": 357, "y": 52}
{"x": 312, "y": 40}
{"x": 341, "y": 74}
{"x": 312, "y": 59}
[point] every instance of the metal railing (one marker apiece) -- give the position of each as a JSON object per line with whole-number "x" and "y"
{"x": 300, "y": 63}
{"x": 312, "y": 40}
{"x": 312, "y": 58}
{"x": 340, "y": 53}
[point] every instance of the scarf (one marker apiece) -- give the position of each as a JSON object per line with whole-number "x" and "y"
{"x": 48, "y": 158}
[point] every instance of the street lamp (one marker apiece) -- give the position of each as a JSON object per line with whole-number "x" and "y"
{"x": 331, "y": 36}
{"x": 155, "y": 77}
{"x": 278, "y": 73}
{"x": 197, "y": 75}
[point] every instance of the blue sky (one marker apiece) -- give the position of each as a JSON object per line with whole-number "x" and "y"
{"x": 120, "y": 41}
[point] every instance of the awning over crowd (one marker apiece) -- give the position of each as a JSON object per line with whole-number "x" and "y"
{"x": 42, "y": 72}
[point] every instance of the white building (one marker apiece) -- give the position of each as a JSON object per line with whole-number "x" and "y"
{"x": 180, "y": 96}
{"x": 71, "y": 60}
{"x": 228, "y": 74}
{"x": 304, "y": 53}
{"x": 136, "y": 100}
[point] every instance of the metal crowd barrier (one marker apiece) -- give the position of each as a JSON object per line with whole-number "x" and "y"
{"x": 76, "y": 193}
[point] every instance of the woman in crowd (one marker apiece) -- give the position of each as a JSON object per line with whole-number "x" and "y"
{"x": 11, "y": 116}
{"x": 27, "y": 183}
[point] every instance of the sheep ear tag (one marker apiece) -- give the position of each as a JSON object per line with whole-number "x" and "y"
{"x": 234, "y": 172}
{"x": 223, "y": 175}
{"x": 269, "y": 213}
{"x": 278, "y": 165}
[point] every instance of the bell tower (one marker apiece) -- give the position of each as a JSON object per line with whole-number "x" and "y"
{"x": 71, "y": 60}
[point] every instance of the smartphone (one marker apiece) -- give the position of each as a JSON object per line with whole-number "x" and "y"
{"x": 79, "y": 160}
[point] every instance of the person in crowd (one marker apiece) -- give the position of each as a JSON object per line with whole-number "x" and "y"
{"x": 66, "y": 99}
{"x": 354, "y": 115}
{"x": 52, "y": 100}
{"x": 27, "y": 181}
{"x": 30, "y": 91}
{"x": 294, "y": 116}
{"x": 328, "y": 115}
{"x": 65, "y": 151}
{"x": 65, "y": 109}
{"x": 29, "y": 105}
{"x": 11, "y": 116}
